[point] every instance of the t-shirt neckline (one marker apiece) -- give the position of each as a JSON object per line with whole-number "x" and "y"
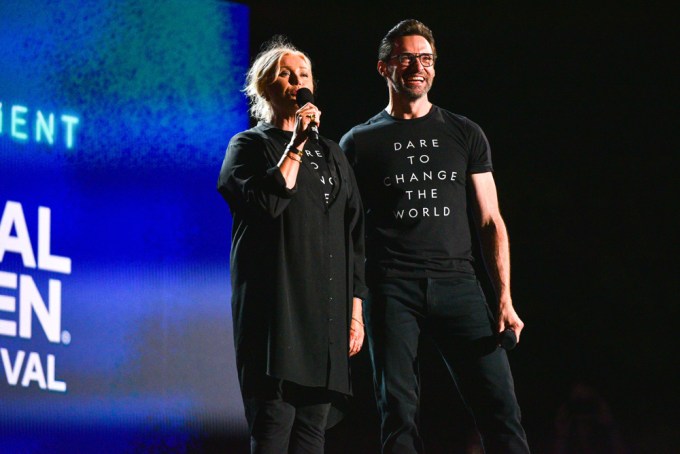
{"x": 403, "y": 120}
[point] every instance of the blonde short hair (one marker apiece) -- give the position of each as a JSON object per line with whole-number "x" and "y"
{"x": 263, "y": 72}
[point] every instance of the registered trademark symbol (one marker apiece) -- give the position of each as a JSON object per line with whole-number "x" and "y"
{"x": 65, "y": 337}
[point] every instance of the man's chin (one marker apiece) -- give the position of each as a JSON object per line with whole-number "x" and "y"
{"x": 414, "y": 94}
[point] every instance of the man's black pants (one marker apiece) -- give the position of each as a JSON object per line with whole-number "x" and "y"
{"x": 453, "y": 311}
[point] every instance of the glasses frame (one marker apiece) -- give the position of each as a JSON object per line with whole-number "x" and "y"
{"x": 410, "y": 58}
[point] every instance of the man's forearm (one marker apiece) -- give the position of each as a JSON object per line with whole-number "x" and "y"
{"x": 496, "y": 251}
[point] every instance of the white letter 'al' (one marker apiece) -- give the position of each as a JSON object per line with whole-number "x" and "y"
{"x": 46, "y": 261}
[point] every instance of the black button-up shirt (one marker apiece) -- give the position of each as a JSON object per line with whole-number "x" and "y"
{"x": 296, "y": 263}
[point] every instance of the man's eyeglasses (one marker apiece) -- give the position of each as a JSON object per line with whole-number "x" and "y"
{"x": 407, "y": 58}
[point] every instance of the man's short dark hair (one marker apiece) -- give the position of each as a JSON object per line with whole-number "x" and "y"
{"x": 406, "y": 27}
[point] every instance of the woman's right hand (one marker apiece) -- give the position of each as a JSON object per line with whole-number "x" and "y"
{"x": 304, "y": 117}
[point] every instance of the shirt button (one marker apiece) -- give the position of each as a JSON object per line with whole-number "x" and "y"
{"x": 330, "y": 278}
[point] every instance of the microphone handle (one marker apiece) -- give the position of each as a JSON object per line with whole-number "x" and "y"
{"x": 507, "y": 339}
{"x": 313, "y": 133}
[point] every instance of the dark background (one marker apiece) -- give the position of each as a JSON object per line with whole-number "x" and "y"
{"x": 580, "y": 104}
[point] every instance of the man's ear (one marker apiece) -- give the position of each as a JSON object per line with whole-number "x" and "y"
{"x": 382, "y": 68}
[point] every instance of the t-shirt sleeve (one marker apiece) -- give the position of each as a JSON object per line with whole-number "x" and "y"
{"x": 480, "y": 150}
{"x": 347, "y": 145}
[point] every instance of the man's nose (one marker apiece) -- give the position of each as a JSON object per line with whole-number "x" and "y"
{"x": 417, "y": 62}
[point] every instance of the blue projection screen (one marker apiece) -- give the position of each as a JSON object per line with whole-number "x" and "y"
{"x": 114, "y": 243}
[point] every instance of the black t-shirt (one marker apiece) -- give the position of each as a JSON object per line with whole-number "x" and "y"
{"x": 315, "y": 156}
{"x": 327, "y": 174}
{"x": 412, "y": 175}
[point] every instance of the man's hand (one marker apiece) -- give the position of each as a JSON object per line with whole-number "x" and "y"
{"x": 508, "y": 318}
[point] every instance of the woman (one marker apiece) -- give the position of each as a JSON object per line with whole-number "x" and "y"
{"x": 297, "y": 258}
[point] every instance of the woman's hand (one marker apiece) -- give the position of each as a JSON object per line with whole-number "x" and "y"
{"x": 356, "y": 327}
{"x": 304, "y": 117}
{"x": 356, "y": 336}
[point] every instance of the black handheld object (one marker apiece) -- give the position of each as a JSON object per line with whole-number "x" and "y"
{"x": 303, "y": 96}
{"x": 507, "y": 339}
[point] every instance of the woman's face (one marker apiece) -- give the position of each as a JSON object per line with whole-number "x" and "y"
{"x": 294, "y": 73}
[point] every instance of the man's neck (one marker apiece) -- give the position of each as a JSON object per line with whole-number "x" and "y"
{"x": 408, "y": 109}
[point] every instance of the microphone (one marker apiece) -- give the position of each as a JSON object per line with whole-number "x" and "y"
{"x": 507, "y": 339}
{"x": 303, "y": 96}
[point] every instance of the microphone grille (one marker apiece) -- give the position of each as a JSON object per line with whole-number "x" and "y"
{"x": 304, "y": 95}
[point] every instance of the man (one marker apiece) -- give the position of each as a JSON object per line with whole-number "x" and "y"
{"x": 418, "y": 166}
